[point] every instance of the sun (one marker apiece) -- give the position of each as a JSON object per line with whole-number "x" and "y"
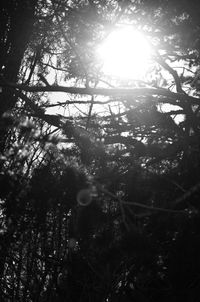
{"x": 125, "y": 53}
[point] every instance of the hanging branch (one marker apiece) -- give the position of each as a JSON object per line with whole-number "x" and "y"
{"x": 90, "y": 112}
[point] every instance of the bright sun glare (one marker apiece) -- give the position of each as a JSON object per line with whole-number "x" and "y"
{"x": 125, "y": 53}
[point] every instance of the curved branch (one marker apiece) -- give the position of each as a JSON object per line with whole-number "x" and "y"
{"x": 173, "y": 72}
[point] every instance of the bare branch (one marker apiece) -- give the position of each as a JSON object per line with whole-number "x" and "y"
{"x": 115, "y": 92}
{"x": 140, "y": 205}
{"x": 187, "y": 194}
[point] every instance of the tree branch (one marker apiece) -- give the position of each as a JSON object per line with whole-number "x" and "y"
{"x": 173, "y": 72}
{"x": 117, "y": 92}
{"x": 140, "y": 205}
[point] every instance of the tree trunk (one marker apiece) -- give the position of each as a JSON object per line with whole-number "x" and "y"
{"x": 16, "y": 26}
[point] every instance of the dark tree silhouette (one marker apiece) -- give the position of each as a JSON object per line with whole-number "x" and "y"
{"x": 99, "y": 190}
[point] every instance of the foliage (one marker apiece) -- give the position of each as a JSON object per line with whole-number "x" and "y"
{"x": 100, "y": 191}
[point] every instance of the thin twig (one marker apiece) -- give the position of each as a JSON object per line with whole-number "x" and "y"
{"x": 136, "y": 204}
{"x": 187, "y": 194}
